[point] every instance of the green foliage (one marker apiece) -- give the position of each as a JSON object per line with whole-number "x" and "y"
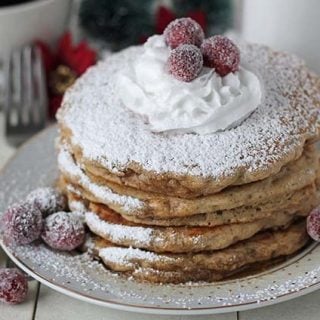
{"x": 120, "y": 23}
{"x": 219, "y": 12}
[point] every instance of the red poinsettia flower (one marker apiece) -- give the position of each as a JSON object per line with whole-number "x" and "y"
{"x": 74, "y": 60}
{"x": 79, "y": 57}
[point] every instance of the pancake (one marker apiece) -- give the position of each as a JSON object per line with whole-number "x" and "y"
{"x": 112, "y": 227}
{"x": 209, "y": 266}
{"x": 303, "y": 201}
{"x": 304, "y": 172}
{"x": 120, "y": 143}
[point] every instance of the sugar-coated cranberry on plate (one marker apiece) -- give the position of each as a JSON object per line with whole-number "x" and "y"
{"x": 22, "y": 223}
{"x": 183, "y": 31}
{"x": 313, "y": 224}
{"x": 185, "y": 62}
{"x": 49, "y": 200}
{"x": 220, "y": 53}
{"x": 63, "y": 231}
{"x": 13, "y": 286}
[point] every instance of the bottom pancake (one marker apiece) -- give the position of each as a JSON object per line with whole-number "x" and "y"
{"x": 204, "y": 266}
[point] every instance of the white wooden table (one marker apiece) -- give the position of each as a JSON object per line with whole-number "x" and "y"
{"x": 45, "y": 304}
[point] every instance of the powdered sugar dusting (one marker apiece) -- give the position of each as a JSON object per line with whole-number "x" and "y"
{"x": 77, "y": 206}
{"x": 127, "y": 256}
{"x": 275, "y": 133}
{"x": 118, "y": 233}
{"x": 49, "y": 200}
{"x": 67, "y": 165}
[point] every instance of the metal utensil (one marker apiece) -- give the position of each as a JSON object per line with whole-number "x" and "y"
{"x": 25, "y": 95}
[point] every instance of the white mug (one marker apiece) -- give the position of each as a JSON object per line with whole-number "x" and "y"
{"x": 23, "y": 23}
{"x": 290, "y": 25}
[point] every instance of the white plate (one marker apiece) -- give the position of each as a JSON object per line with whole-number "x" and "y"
{"x": 76, "y": 275}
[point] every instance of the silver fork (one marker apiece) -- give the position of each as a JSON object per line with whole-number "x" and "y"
{"x": 25, "y": 95}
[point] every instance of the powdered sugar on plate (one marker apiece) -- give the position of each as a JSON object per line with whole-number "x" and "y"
{"x": 273, "y": 135}
{"x": 85, "y": 277}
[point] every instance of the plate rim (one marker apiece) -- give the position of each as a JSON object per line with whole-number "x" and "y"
{"x": 121, "y": 306}
{"x": 158, "y": 310}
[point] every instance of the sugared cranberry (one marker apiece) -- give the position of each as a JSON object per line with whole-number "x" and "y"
{"x": 313, "y": 224}
{"x": 220, "y": 53}
{"x": 13, "y": 286}
{"x": 183, "y": 31}
{"x": 22, "y": 223}
{"x": 48, "y": 200}
{"x": 185, "y": 62}
{"x": 63, "y": 231}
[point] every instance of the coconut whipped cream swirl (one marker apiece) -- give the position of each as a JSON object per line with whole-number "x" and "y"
{"x": 207, "y": 104}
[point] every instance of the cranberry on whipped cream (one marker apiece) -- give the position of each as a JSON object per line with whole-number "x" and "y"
{"x": 207, "y": 104}
{"x": 222, "y": 54}
{"x": 185, "y": 62}
{"x": 183, "y": 31}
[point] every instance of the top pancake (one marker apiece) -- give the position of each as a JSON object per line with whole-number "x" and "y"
{"x": 115, "y": 140}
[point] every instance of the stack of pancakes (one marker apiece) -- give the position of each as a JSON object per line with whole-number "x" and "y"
{"x": 166, "y": 237}
{"x": 177, "y": 227}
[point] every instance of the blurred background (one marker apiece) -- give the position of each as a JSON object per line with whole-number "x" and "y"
{"x": 70, "y": 36}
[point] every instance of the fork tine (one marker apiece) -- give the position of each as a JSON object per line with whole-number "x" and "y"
{"x": 17, "y": 68}
{"x": 26, "y": 95}
{"x": 28, "y": 91}
{"x": 41, "y": 81}
{"x": 8, "y": 89}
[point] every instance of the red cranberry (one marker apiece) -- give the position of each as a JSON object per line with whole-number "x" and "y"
{"x": 48, "y": 200}
{"x": 63, "y": 231}
{"x": 185, "y": 62}
{"x": 183, "y": 31}
{"x": 220, "y": 53}
{"x": 13, "y": 286}
{"x": 22, "y": 223}
{"x": 313, "y": 224}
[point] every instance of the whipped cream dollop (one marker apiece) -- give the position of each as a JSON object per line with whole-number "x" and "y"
{"x": 207, "y": 104}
